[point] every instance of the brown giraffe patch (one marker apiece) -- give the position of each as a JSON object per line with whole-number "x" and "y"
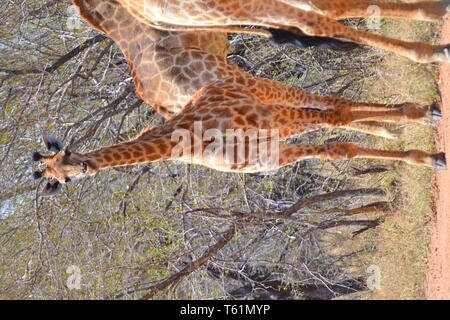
{"x": 239, "y": 121}
{"x": 126, "y": 155}
{"x": 149, "y": 148}
{"x": 117, "y": 156}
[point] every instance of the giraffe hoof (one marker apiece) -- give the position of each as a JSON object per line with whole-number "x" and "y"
{"x": 447, "y": 5}
{"x": 436, "y": 111}
{"x": 439, "y": 161}
{"x": 442, "y": 54}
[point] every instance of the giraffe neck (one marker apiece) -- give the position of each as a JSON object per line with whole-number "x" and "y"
{"x": 134, "y": 152}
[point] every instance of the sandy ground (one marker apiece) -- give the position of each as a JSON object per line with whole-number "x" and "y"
{"x": 438, "y": 278}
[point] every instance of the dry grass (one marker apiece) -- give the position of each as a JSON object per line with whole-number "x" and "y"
{"x": 399, "y": 246}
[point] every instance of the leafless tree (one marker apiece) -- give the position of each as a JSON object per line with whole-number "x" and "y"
{"x": 136, "y": 232}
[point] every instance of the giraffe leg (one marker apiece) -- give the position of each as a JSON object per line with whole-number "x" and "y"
{"x": 341, "y": 117}
{"x": 273, "y": 92}
{"x": 401, "y": 113}
{"x": 416, "y": 112}
{"x": 332, "y": 102}
{"x": 370, "y": 122}
{"x": 296, "y": 121}
{"x": 281, "y": 15}
{"x": 290, "y": 154}
{"x": 375, "y": 128}
{"x": 345, "y": 9}
{"x": 406, "y": 113}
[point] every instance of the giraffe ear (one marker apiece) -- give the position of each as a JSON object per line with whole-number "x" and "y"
{"x": 37, "y": 175}
{"x": 52, "y": 143}
{"x": 52, "y": 188}
{"x": 36, "y": 156}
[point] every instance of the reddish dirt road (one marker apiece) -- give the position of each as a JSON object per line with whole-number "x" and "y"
{"x": 438, "y": 278}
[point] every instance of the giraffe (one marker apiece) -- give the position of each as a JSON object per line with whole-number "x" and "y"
{"x": 316, "y": 18}
{"x": 200, "y": 134}
{"x": 168, "y": 68}
{"x": 235, "y": 101}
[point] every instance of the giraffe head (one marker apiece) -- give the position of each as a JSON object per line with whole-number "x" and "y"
{"x": 61, "y": 167}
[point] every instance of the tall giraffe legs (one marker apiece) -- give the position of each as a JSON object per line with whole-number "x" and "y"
{"x": 277, "y": 14}
{"x": 285, "y": 14}
{"x": 407, "y": 113}
{"x": 329, "y": 102}
{"x": 424, "y": 10}
{"x": 371, "y": 120}
{"x": 290, "y": 154}
{"x": 273, "y": 92}
{"x": 292, "y": 122}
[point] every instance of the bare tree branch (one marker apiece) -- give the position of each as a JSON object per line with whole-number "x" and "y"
{"x": 61, "y": 61}
{"x": 174, "y": 279}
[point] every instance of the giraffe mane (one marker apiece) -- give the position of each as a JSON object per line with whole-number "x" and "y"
{"x": 145, "y": 132}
